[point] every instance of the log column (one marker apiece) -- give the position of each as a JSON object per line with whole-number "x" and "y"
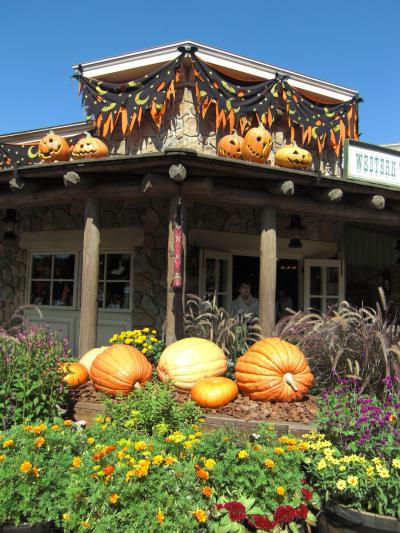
{"x": 174, "y": 328}
{"x": 90, "y": 276}
{"x": 267, "y": 270}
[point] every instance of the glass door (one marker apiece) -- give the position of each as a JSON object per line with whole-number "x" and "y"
{"x": 323, "y": 283}
{"x": 216, "y": 277}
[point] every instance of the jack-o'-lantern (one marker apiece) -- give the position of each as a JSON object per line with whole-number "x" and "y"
{"x": 53, "y": 147}
{"x": 230, "y": 146}
{"x": 292, "y": 156}
{"x": 257, "y": 145}
{"x": 89, "y": 148}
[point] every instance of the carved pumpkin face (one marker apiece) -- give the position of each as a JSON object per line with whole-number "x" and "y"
{"x": 257, "y": 145}
{"x": 230, "y": 146}
{"x": 89, "y": 148}
{"x": 53, "y": 148}
{"x": 291, "y": 156}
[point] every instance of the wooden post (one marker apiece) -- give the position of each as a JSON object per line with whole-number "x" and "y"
{"x": 90, "y": 276}
{"x": 267, "y": 271}
{"x": 174, "y": 328}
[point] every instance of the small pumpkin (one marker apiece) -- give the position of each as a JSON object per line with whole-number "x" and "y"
{"x": 89, "y": 148}
{"x": 273, "y": 370}
{"x": 257, "y": 144}
{"x": 87, "y": 359}
{"x": 119, "y": 368}
{"x": 186, "y": 361}
{"x": 76, "y": 376}
{"x": 230, "y": 146}
{"x": 53, "y": 147}
{"x": 214, "y": 392}
{"x": 292, "y": 156}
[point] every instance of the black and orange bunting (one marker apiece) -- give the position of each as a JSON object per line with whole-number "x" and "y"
{"x": 233, "y": 104}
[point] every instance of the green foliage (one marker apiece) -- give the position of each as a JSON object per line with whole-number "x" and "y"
{"x": 151, "y": 409}
{"x": 144, "y": 340}
{"x": 30, "y": 375}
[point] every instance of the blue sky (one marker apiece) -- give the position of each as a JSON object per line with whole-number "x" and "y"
{"x": 353, "y": 43}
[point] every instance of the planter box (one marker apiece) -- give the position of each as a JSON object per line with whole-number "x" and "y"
{"x": 339, "y": 519}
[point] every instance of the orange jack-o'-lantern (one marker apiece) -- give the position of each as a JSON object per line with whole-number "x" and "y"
{"x": 53, "y": 148}
{"x": 292, "y": 156}
{"x": 230, "y": 146}
{"x": 89, "y": 148}
{"x": 257, "y": 144}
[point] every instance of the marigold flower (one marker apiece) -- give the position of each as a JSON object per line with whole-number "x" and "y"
{"x": 29, "y": 429}
{"x": 279, "y": 450}
{"x": 8, "y": 443}
{"x": 91, "y": 440}
{"x": 99, "y": 419}
{"x": 85, "y": 525}
{"x": 55, "y": 427}
{"x": 160, "y": 517}
{"x": 68, "y": 423}
{"x": 129, "y": 475}
{"x": 242, "y": 454}
{"x": 2, "y": 457}
{"x": 207, "y": 492}
{"x": 109, "y": 449}
{"x": 140, "y": 445}
{"x": 202, "y": 474}
{"x": 200, "y": 515}
{"x": 76, "y": 461}
{"x": 25, "y": 467}
{"x": 39, "y": 442}
{"x": 35, "y": 471}
{"x": 303, "y": 446}
{"x": 39, "y": 428}
{"x": 169, "y": 460}
{"x": 188, "y": 444}
{"x": 280, "y": 491}
{"x": 209, "y": 463}
{"x": 257, "y": 447}
{"x": 114, "y": 498}
{"x": 269, "y": 463}
{"x": 108, "y": 470}
{"x": 157, "y": 460}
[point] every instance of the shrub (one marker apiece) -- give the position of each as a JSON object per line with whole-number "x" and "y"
{"x": 145, "y": 340}
{"x": 30, "y": 375}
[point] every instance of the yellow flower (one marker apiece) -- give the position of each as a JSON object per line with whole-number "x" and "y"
{"x": 68, "y": 423}
{"x": 257, "y": 447}
{"x": 160, "y": 516}
{"x": 55, "y": 427}
{"x": 269, "y": 463}
{"x": 392, "y": 418}
{"x": 91, "y": 440}
{"x": 209, "y": 463}
{"x": 129, "y": 475}
{"x": 100, "y": 419}
{"x": 352, "y": 480}
{"x": 242, "y": 454}
{"x": 279, "y": 450}
{"x": 341, "y": 484}
{"x": 66, "y": 517}
{"x": 342, "y": 468}
{"x": 76, "y": 462}
{"x": 39, "y": 442}
{"x": 321, "y": 465}
{"x": 396, "y": 463}
{"x": 383, "y": 472}
{"x": 280, "y": 491}
{"x": 2, "y": 457}
{"x": 114, "y": 498}
{"x": 370, "y": 471}
{"x": 303, "y": 446}
{"x": 8, "y": 443}
{"x": 39, "y": 428}
{"x": 25, "y": 467}
{"x": 200, "y": 516}
{"x": 154, "y": 332}
{"x": 140, "y": 445}
{"x": 157, "y": 460}
{"x": 85, "y": 525}
{"x": 188, "y": 445}
{"x": 145, "y": 350}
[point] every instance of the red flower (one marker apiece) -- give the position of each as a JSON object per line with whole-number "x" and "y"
{"x": 302, "y": 512}
{"x": 237, "y": 511}
{"x": 285, "y": 514}
{"x": 307, "y": 494}
{"x": 262, "y": 522}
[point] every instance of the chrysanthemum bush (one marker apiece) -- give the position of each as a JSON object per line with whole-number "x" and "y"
{"x": 145, "y": 340}
{"x": 35, "y": 461}
{"x": 365, "y": 484}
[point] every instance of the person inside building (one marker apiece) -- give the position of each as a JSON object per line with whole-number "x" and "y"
{"x": 245, "y": 302}
{"x": 283, "y": 302}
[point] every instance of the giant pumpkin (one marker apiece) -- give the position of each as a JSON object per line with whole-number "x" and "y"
{"x": 257, "y": 144}
{"x": 186, "y": 361}
{"x": 87, "y": 359}
{"x": 118, "y": 369}
{"x": 292, "y": 156}
{"x": 273, "y": 370}
{"x": 214, "y": 392}
{"x": 53, "y": 147}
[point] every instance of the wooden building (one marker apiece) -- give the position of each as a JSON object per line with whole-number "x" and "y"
{"x": 91, "y": 242}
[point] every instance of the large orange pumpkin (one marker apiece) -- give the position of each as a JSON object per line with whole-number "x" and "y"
{"x": 89, "y": 148}
{"x": 53, "y": 147}
{"x": 273, "y": 370}
{"x": 87, "y": 359}
{"x": 186, "y": 361}
{"x": 214, "y": 392}
{"x": 230, "y": 146}
{"x": 292, "y": 156}
{"x": 77, "y": 374}
{"x": 119, "y": 368}
{"x": 257, "y": 144}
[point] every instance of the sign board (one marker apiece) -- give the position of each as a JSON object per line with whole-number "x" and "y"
{"x": 371, "y": 163}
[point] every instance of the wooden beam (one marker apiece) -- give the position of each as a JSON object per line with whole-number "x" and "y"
{"x": 328, "y": 195}
{"x": 177, "y": 173}
{"x": 375, "y": 201}
{"x": 90, "y": 276}
{"x": 18, "y": 185}
{"x": 268, "y": 259}
{"x": 157, "y": 185}
{"x": 285, "y": 188}
{"x": 299, "y": 204}
{"x": 174, "y": 327}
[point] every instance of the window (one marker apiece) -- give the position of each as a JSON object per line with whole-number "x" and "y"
{"x": 115, "y": 281}
{"x": 53, "y": 279}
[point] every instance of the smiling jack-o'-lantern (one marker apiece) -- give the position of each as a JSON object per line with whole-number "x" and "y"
{"x": 292, "y": 156}
{"x": 89, "y": 148}
{"x": 53, "y": 148}
{"x": 257, "y": 144}
{"x": 230, "y": 146}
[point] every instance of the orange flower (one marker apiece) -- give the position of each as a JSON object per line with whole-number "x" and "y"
{"x": 25, "y": 467}
{"x": 160, "y": 517}
{"x": 200, "y": 515}
{"x": 207, "y": 492}
{"x": 202, "y": 474}
{"x": 2, "y": 457}
{"x": 85, "y": 525}
{"x": 269, "y": 463}
{"x": 108, "y": 470}
{"x": 98, "y": 455}
{"x": 55, "y": 427}
{"x": 39, "y": 428}
{"x": 169, "y": 460}
{"x": 114, "y": 498}
{"x": 109, "y": 449}
{"x": 39, "y": 442}
{"x": 69, "y": 423}
{"x": 76, "y": 461}
{"x": 280, "y": 491}
{"x": 140, "y": 445}
{"x": 8, "y": 443}
{"x": 35, "y": 471}
{"x": 279, "y": 450}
